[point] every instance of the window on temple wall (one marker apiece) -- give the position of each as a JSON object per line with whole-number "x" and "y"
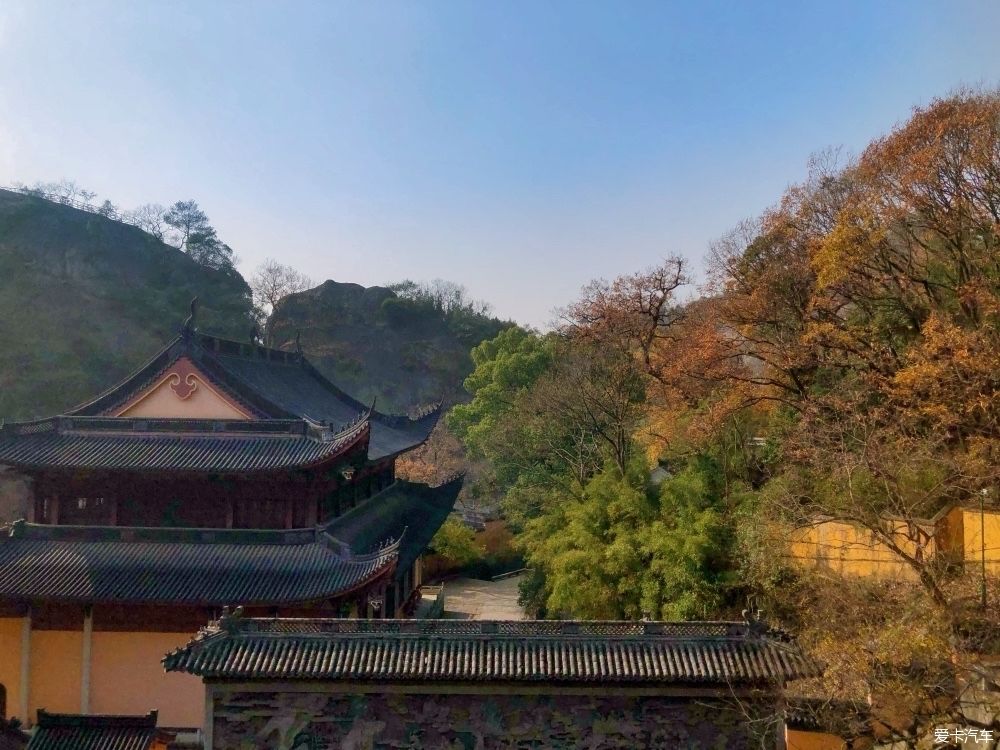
{"x": 88, "y": 510}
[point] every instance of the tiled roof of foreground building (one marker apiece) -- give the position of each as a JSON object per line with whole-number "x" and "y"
{"x": 214, "y": 567}
{"x": 475, "y": 651}
{"x": 75, "y": 732}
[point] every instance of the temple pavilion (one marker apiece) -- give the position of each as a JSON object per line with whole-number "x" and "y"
{"x": 219, "y": 473}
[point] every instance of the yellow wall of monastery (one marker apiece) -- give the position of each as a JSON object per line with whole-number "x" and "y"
{"x": 10, "y": 662}
{"x": 127, "y": 678}
{"x": 56, "y": 659}
{"x": 796, "y": 739}
{"x": 973, "y": 539}
{"x": 844, "y": 548}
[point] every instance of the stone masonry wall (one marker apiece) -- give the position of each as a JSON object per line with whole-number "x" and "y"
{"x": 373, "y": 721}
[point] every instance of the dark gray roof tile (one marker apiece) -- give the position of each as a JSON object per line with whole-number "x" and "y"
{"x": 76, "y": 732}
{"x": 181, "y": 445}
{"x": 214, "y": 567}
{"x": 528, "y": 651}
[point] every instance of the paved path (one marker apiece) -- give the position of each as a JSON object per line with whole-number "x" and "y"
{"x": 471, "y": 599}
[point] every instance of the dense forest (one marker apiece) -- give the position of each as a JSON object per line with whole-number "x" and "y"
{"x": 654, "y": 453}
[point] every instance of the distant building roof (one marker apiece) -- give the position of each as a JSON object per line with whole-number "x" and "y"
{"x": 214, "y": 567}
{"x": 635, "y": 653}
{"x": 78, "y": 732}
{"x": 297, "y": 417}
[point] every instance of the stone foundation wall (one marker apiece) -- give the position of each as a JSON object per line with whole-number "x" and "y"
{"x": 373, "y": 721}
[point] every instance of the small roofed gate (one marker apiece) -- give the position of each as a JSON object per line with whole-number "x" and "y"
{"x": 297, "y": 684}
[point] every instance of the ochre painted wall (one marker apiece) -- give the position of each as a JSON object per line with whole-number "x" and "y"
{"x": 56, "y": 658}
{"x": 126, "y": 677}
{"x": 972, "y": 525}
{"x": 10, "y": 662}
{"x": 950, "y": 536}
{"x": 842, "y": 547}
{"x": 845, "y": 548}
{"x": 796, "y": 739}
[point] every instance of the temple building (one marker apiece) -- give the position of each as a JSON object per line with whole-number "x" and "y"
{"x": 307, "y": 683}
{"x": 219, "y": 473}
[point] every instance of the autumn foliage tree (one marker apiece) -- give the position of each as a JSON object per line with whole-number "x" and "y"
{"x": 843, "y": 363}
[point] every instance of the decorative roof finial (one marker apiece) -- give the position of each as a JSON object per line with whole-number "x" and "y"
{"x": 189, "y": 326}
{"x": 228, "y": 619}
{"x": 298, "y": 342}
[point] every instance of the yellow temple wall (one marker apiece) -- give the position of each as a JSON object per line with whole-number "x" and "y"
{"x": 845, "y": 548}
{"x": 56, "y": 669}
{"x": 842, "y": 547}
{"x": 950, "y": 535}
{"x": 797, "y": 739}
{"x": 10, "y": 662}
{"x": 127, "y": 678}
{"x": 973, "y": 539}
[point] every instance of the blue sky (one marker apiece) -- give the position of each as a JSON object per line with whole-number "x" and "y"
{"x": 519, "y": 148}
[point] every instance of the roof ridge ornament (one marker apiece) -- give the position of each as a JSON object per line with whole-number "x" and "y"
{"x": 189, "y": 325}
{"x": 228, "y": 620}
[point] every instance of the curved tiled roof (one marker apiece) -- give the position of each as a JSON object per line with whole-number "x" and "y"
{"x": 298, "y": 388}
{"x": 157, "y": 567}
{"x": 273, "y": 384}
{"x": 78, "y": 732}
{"x": 184, "y": 445}
{"x": 409, "y": 512}
{"x": 525, "y": 651}
{"x": 214, "y": 567}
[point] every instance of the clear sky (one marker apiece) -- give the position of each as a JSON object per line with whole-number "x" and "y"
{"x": 521, "y": 148}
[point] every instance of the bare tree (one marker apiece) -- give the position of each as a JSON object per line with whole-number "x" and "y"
{"x": 271, "y": 282}
{"x": 150, "y": 218}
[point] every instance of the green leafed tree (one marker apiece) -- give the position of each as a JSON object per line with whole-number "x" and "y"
{"x": 456, "y": 542}
{"x": 620, "y": 548}
{"x": 505, "y": 366}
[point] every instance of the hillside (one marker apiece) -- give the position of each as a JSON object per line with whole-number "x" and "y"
{"x": 372, "y": 342}
{"x": 84, "y": 300}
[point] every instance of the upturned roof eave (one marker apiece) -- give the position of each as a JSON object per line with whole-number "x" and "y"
{"x": 339, "y": 445}
{"x": 313, "y": 599}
